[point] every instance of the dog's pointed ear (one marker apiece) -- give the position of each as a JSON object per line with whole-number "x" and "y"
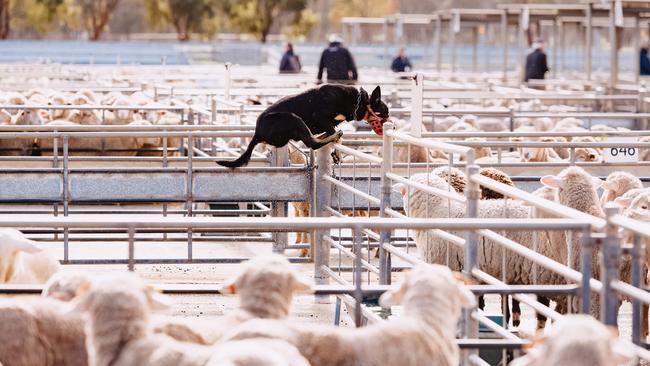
{"x": 376, "y": 95}
{"x": 364, "y": 96}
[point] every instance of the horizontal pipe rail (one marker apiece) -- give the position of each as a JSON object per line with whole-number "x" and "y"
{"x": 431, "y": 190}
{"x": 357, "y": 154}
{"x": 348, "y": 253}
{"x": 548, "y": 206}
{"x": 450, "y": 148}
{"x": 289, "y": 224}
{"x": 352, "y": 190}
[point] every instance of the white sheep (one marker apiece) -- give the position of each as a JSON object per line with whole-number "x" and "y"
{"x": 266, "y": 286}
{"x": 85, "y": 117}
{"x": 540, "y": 154}
{"x": 22, "y": 261}
{"x": 38, "y": 332}
{"x": 117, "y": 309}
{"x": 65, "y": 284}
{"x": 29, "y": 116}
{"x": 580, "y": 340}
{"x": 433, "y": 249}
{"x": 626, "y": 199}
{"x": 618, "y": 183}
{"x": 267, "y": 352}
{"x": 432, "y": 299}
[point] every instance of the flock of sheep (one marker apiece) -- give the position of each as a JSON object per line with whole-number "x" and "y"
{"x": 24, "y": 111}
{"x": 118, "y": 320}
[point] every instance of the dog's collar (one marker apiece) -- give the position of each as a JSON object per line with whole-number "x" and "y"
{"x": 375, "y": 123}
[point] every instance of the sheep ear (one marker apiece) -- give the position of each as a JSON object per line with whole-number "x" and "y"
{"x": 400, "y": 188}
{"x": 623, "y": 352}
{"x": 597, "y": 182}
{"x": 552, "y": 181}
{"x": 25, "y": 245}
{"x": 467, "y": 298}
{"x": 623, "y": 202}
{"x": 157, "y": 301}
{"x": 301, "y": 286}
{"x": 611, "y": 186}
{"x": 391, "y": 298}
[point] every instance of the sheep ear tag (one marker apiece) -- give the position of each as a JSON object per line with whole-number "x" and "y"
{"x": 552, "y": 181}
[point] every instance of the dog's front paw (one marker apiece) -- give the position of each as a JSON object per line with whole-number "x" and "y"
{"x": 338, "y": 135}
{"x": 335, "y": 157}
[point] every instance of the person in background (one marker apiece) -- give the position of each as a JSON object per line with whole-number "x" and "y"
{"x": 644, "y": 62}
{"x": 536, "y": 65}
{"x": 338, "y": 62}
{"x": 290, "y": 63}
{"x": 401, "y": 63}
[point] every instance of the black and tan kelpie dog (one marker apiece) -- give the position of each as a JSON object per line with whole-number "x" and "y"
{"x": 315, "y": 112}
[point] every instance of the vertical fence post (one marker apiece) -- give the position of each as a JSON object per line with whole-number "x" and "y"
{"x": 504, "y": 40}
{"x": 438, "y": 38}
{"x": 280, "y": 239}
{"x": 636, "y": 282}
{"x": 417, "y": 90}
{"x": 611, "y": 251}
{"x": 473, "y": 194}
{"x": 322, "y": 197}
{"x": 358, "y": 292}
{"x": 386, "y": 191}
{"x": 586, "y": 251}
{"x": 66, "y": 195}
{"x": 228, "y": 85}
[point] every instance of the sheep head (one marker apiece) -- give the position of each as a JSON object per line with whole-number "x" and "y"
{"x": 65, "y": 285}
{"x": 429, "y": 280}
{"x": 580, "y": 340}
{"x": 266, "y": 286}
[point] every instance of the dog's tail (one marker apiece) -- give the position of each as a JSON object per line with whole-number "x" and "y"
{"x": 244, "y": 158}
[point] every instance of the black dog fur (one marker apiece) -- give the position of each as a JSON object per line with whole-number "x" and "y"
{"x": 313, "y": 112}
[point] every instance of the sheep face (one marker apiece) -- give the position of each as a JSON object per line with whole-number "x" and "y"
{"x": 641, "y": 205}
{"x": 577, "y": 189}
{"x": 123, "y": 293}
{"x": 64, "y": 285}
{"x": 617, "y": 184}
{"x": 29, "y": 117}
{"x": 266, "y": 286}
{"x": 430, "y": 279}
{"x": 588, "y": 155}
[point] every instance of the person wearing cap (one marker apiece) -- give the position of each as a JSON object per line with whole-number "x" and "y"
{"x": 338, "y": 62}
{"x": 536, "y": 65}
{"x": 401, "y": 63}
{"x": 290, "y": 63}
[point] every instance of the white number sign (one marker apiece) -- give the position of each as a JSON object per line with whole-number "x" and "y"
{"x": 621, "y": 154}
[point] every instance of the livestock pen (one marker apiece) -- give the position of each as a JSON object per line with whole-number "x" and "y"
{"x": 78, "y": 198}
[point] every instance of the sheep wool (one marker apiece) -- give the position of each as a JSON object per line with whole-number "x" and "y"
{"x": 432, "y": 300}
{"x": 580, "y": 340}
{"x": 38, "y": 332}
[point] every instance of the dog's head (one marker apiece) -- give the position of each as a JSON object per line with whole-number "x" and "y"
{"x": 372, "y": 110}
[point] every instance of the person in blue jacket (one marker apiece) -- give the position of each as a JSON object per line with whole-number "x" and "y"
{"x": 644, "y": 62}
{"x": 290, "y": 63}
{"x": 401, "y": 63}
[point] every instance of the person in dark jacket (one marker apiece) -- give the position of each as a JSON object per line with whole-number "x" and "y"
{"x": 290, "y": 62}
{"x": 536, "y": 65}
{"x": 401, "y": 63}
{"x": 644, "y": 62}
{"x": 338, "y": 62}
